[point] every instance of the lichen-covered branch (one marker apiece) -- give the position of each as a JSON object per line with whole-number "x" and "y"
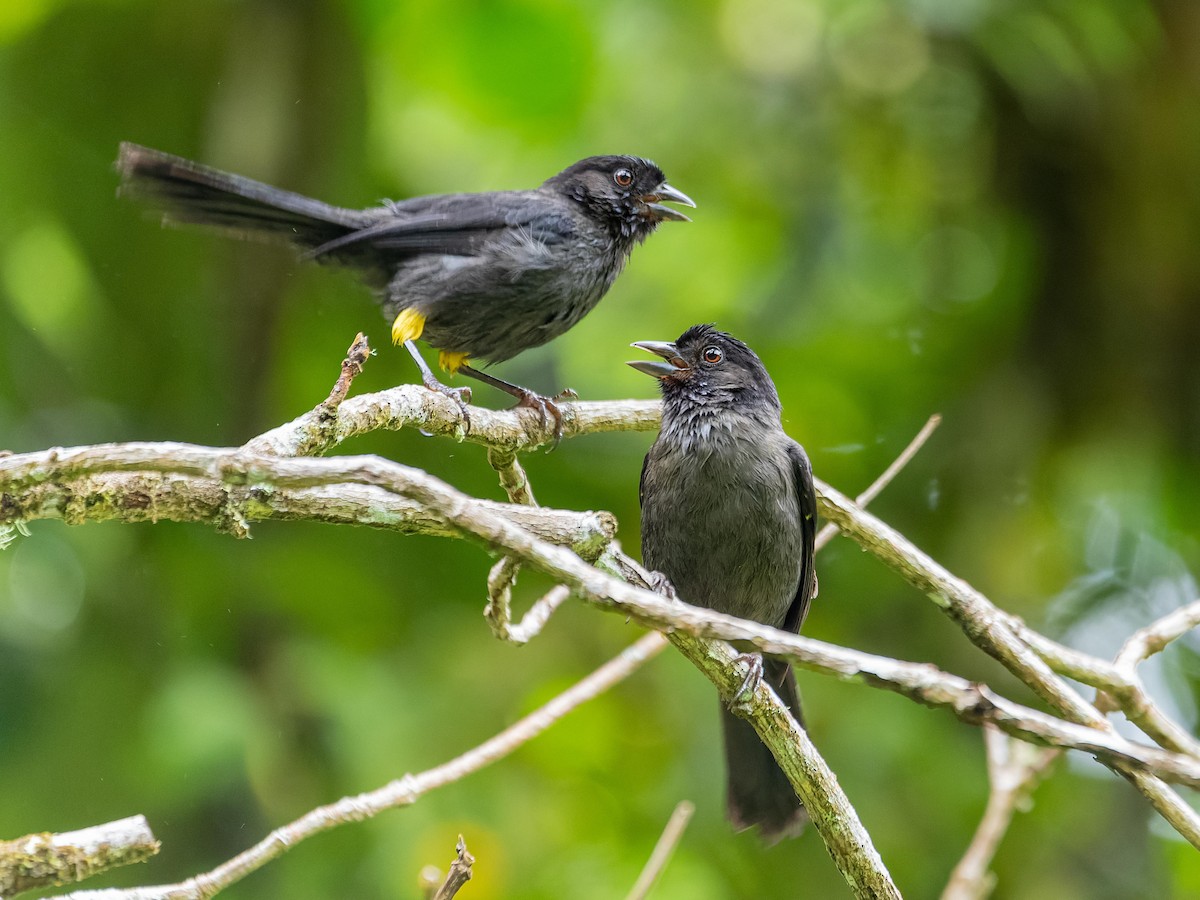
{"x": 413, "y": 406}
{"x": 232, "y": 487}
{"x": 829, "y": 809}
{"x": 974, "y": 703}
{"x": 167, "y": 496}
{"x": 39, "y": 861}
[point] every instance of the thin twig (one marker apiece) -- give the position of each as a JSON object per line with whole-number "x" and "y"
{"x": 500, "y": 581}
{"x": 970, "y": 702}
{"x": 1014, "y": 769}
{"x": 1131, "y": 696}
{"x": 498, "y": 611}
{"x": 661, "y": 855}
{"x": 1155, "y": 637}
{"x": 352, "y": 366}
{"x": 402, "y": 792}
{"x": 1082, "y": 667}
{"x": 1118, "y": 685}
{"x": 459, "y": 874}
{"x": 503, "y": 577}
{"x": 512, "y": 476}
{"x": 989, "y": 629}
{"x": 827, "y": 533}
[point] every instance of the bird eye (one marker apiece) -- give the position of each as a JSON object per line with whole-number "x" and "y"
{"x": 713, "y": 354}
{"x": 623, "y": 177}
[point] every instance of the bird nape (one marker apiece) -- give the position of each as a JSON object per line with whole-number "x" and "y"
{"x": 478, "y": 276}
{"x": 729, "y": 517}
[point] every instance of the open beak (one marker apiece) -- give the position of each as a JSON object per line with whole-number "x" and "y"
{"x": 655, "y": 210}
{"x": 672, "y": 366}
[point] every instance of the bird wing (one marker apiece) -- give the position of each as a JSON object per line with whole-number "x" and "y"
{"x": 806, "y": 494}
{"x": 642, "y": 481}
{"x": 454, "y": 224}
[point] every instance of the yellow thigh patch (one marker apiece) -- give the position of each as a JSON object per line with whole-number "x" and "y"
{"x": 408, "y": 326}
{"x": 452, "y": 362}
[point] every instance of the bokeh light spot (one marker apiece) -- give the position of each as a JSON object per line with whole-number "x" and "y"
{"x": 45, "y": 583}
{"x": 772, "y": 38}
{"x": 876, "y": 49}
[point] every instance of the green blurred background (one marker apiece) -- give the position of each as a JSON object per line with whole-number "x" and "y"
{"x": 984, "y": 208}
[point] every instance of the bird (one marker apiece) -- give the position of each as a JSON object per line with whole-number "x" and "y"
{"x": 477, "y": 276}
{"x": 729, "y": 519}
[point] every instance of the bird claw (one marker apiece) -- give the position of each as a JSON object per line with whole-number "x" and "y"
{"x": 460, "y": 395}
{"x": 548, "y": 409}
{"x": 660, "y": 584}
{"x": 750, "y": 683}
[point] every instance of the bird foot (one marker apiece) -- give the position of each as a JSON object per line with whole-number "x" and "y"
{"x": 548, "y": 409}
{"x": 749, "y": 685}
{"x": 660, "y": 584}
{"x": 461, "y": 396}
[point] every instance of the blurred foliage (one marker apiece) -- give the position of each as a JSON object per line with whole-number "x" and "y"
{"x": 986, "y": 208}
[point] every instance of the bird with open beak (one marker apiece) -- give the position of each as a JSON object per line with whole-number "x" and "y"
{"x": 729, "y": 517}
{"x": 480, "y": 276}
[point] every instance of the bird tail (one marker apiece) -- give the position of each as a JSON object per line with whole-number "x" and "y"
{"x": 193, "y": 194}
{"x": 760, "y": 795}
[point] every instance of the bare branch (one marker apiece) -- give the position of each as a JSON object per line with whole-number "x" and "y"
{"x": 459, "y": 874}
{"x": 499, "y": 604}
{"x": 352, "y": 366}
{"x": 990, "y": 629}
{"x": 1118, "y": 684}
{"x": 1131, "y": 696}
{"x": 414, "y": 406}
{"x": 1014, "y": 769}
{"x": 403, "y": 792}
{"x": 166, "y": 496}
{"x": 971, "y": 702}
{"x": 500, "y": 581}
{"x": 512, "y": 476}
{"x": 1090, "y": 670}
{"x": 1155, "y": 637}
{"x": 827, "y": 533}
{"x": 830, "y": 811}
{"x": 503, "y": 577}
{"x": 47, "y": 860}
{"x": 661, "y": 855}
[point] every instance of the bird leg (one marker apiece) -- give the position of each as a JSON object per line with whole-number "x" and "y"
{"x": 750, "y": 682}
{"x": 546, "y": 406}
{"x": 661, "y": 584}
{"x": 461, "y": 396}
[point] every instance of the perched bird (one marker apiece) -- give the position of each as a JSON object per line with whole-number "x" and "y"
{"x": 729, "y": 516}
{"x": 476, "y": 276}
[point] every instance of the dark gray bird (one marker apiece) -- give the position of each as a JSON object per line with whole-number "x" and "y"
{"x": 729, "y": 516}
{"x": 476, "y": 276}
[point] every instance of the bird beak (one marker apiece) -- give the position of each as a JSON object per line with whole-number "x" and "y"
{"x": 672, "y": 367}
{"x": 656, "y": 211}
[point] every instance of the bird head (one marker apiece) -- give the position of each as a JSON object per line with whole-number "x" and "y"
{"x": 624, "y": 192}
{"x": 706, "y": 367}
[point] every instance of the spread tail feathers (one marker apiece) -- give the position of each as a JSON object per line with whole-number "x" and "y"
{"x": 189, "y": 193}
